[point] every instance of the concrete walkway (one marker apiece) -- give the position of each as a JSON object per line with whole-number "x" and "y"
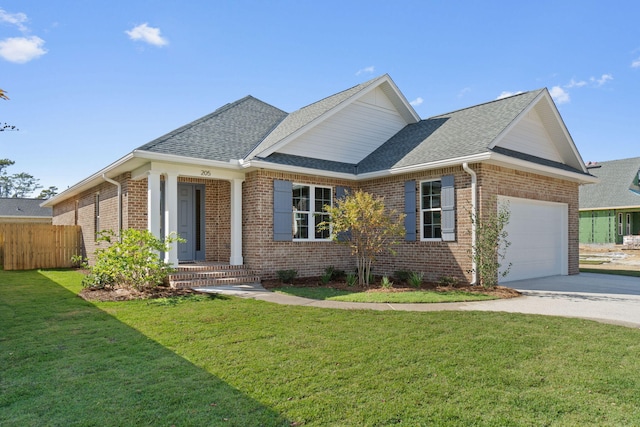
{"x": 602, "y": 297}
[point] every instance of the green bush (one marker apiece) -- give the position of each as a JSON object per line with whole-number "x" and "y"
{"x": 352, "y": 278}
{"x": 415, "y": 279}
{"x": 402, "y": 275}
{"x": 448, "y": 281}
{"x": 133, "y": 261}
{"x": 385, "y": 283}
{"x": 286, "y": 276}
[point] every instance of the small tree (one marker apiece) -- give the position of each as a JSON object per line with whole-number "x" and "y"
{"x": 132, "y": 262}
{"x": 361, "y": 221}
{"x": 491, "y": 245}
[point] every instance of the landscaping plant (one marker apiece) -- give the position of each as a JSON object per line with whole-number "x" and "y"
{"x": 132, "y": 261}
{"x": 491, "y": 245}
{"x": 361, "y": 221}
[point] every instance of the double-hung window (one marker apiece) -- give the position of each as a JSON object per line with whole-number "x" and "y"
{"x": 308, "y": 211}
{"x": 431, "y": 210}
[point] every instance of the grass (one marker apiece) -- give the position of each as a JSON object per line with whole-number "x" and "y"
{"x": 236, "y": 362}
{"x": 632, "y": 273}
{"x": 321, "y": 293}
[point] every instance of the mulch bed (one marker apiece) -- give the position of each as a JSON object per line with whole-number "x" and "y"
{"x": 498, "y": 291}
{"x": 124, "y": 294}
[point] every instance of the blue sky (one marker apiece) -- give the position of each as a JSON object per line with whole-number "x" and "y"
{"x": 90, "y": 81}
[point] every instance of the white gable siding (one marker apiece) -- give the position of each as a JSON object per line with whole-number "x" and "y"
{"x": 352, "y": 134}
{"x": 529, "y": 136}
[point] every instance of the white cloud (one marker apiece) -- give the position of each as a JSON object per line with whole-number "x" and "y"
{"x": 369, "y": 70}
{"x": 463, "y": 92}
{"x": 21, "y": 49}
{"x": 147, "y": 34}
{"x": 16, "y": 19}
{"x": 506, "y": 94}
{"x": 559, "y": 95}
{"x": 602, "y": 80}
{"x": 417, "y": 101}
{"x": 574, "y": 83}
{"x": 636, "y": 63}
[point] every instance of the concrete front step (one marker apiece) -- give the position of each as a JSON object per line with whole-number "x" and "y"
{"x": 203, "y": 274}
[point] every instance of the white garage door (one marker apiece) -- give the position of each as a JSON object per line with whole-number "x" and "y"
{"x": 538, "y": 232}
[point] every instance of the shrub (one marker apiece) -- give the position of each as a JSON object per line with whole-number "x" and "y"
{"x": 133, "y": 261}
{"x": 286, "y": 276}
{"x": 326, "y": 277}
{"x": 415, "y": 279}
{"x": 385, "y": 283}
{"x": 448, "y": 281}
{"x": 352, "y": 278}
{"x": 401, "y": 275}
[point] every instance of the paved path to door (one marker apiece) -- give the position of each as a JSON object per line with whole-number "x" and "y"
{"x": 602, "y": 297}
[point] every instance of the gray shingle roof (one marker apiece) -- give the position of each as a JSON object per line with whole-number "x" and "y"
{"x": 230, "y": 132}
{"x": 618, "y": 186}
{"x": 457, "y": 134}
{"x": 23, "y": 207}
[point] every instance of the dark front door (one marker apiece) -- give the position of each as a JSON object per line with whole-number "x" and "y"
{"x": 186, "y": 223}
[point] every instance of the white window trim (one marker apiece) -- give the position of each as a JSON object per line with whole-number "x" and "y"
{"x": 620, "y": 224}
{"x": 311, "y": 213}
{"x": 628, "y": 225}
{"x": 422, "y": 238}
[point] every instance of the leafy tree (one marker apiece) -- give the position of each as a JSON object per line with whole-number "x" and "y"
{"x": 490, "y": 248}
{"x": 3, "y": 95}
{"x": 19, "y": 184}
{"x": 132, "y": 261}
{"x": 361, "y": 221}
{"x": 48, "y": 193}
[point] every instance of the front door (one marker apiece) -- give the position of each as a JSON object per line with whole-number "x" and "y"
{"x": 190, "y": 222}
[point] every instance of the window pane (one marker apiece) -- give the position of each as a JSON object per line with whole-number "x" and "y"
{"x": 322, "y": 198}
{"x": 301, "y": 198}
{"x": 301, "y": 225}
{"x": 431, "y": 223}
{"x": 321, "y": 234}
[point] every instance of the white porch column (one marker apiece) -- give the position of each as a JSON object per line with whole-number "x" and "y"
{"x": 236, "y": 222}
{"x": 153, "y": 202}
{"x": 171, "y": 215}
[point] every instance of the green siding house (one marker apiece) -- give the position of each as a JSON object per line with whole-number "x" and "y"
{"x": 610, "y": 209}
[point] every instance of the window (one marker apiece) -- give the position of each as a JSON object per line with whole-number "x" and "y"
{"x": 308, "y": 211}
{"x": 628, "y": 224}
{"x": 620, "y": 224}
{"x": 431, "y": 210}
{"x": 96, "y": 214}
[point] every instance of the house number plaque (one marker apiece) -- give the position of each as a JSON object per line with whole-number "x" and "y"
{"x": 205, "y": 172}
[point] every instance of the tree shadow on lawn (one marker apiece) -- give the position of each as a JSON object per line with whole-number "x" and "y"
{"x": 65, "y": 361}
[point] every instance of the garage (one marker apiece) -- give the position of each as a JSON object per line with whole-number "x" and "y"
{"x": 538, "y": 232}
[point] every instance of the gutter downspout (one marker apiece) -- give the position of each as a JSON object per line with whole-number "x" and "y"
{"x": 474, "y": 217}
{"x": 116, "y": 183}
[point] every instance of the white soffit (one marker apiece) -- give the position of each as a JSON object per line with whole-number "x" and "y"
{"x": 354, "y": 133}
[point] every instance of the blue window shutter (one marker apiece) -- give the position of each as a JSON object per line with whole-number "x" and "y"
{"x": 448, "y": 201}
{"x": 282, "y": 211}
{"x": 410, "y": 211}
{"x": 341, "y": 192}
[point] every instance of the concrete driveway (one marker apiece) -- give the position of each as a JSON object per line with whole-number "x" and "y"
{"x": 602, "y": 297}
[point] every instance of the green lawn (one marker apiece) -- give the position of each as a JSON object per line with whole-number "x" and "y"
{"x": 383, "y": 297}
{"x": 234, "y": 362}
{"x": 632, "y": 273}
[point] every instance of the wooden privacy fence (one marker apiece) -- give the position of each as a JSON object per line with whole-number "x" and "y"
{"x": 29, "y": 246}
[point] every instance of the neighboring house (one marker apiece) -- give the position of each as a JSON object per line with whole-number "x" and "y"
{"x": 15, "y": 209}
{"x": 246, "y": 183}
{"x": 610, "y": 209}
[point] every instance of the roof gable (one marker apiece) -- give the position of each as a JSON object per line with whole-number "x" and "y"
{"x": 369, "y": 114}
{"x": 539, "y": 131}
{"x": 618, "y": 185}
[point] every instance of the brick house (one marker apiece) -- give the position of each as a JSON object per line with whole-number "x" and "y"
{"x": 245, "y": 183}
